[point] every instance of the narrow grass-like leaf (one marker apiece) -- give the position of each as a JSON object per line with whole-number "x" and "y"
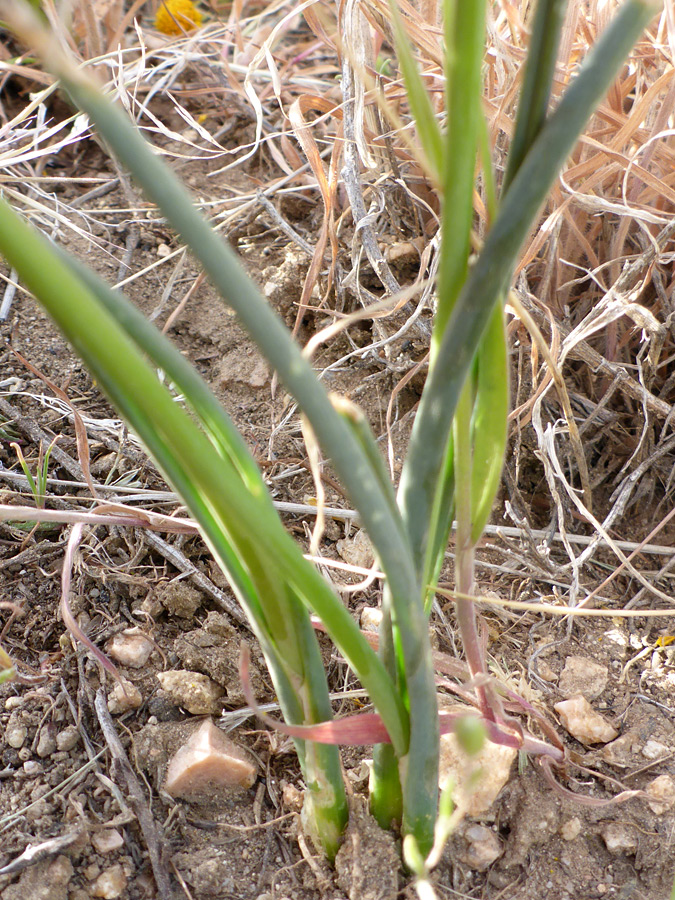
{"x": 490, "y": 276}
{"x": 489, "y": 421}
{"x": 418, "y": 97}
{"x": 535, "y": 94}
{"x": 464, "y": 28}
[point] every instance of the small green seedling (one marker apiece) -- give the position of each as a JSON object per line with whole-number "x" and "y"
{"x": 37, "y": 484}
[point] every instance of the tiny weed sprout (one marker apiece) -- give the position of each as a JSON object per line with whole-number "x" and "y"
{"x": 454, "y": 459}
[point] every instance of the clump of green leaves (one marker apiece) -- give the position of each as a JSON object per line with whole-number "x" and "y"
{"x": 451, "y": 469}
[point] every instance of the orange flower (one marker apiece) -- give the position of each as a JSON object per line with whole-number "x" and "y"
{"x": 177, "y": 16}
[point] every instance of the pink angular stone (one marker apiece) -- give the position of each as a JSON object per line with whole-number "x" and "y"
{"x": 209, "y": 763}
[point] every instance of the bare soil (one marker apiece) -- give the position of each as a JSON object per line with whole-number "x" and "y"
{"x": 58, "y": 781}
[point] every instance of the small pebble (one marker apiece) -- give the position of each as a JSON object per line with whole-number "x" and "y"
{"x": 13, "y": 702}
{"x": 661, "y": 793}
{"x": 193, "y": 691}
{"x": 68, "y": 738}
{"x": 583, "y": 722}
{"x": 15, "y": 732}
{"x": 123, "y": 697}
{"x": 620, "y": 838}
{"x": 654, "y": 750}
{"x": 110, "y": 884}
{"x": 482, "y": 848}
{"x": 46, "y": 744}
{"x": 32, "y": 767}
{"x": 371, "y": 617}
{"x": 583, "y": 676}
{"x": 545, "y": 671}
{"x": 179, "y": 599}
{"x": 357, "y": 550}
{"x": 494, "y": 763}
{"x": 208, "y": 764}
{"x": 570, "y": 829}
{"x": 107, "y": 840}
{"x": 130, "y": 648}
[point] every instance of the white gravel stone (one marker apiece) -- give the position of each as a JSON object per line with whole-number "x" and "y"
{"x": 493, "y": 764}
{"x": 123, "y": 697}
{"x": 661, "y": 793}
{"x": 371, "y": 618}
{"x": 107, "y": 840}
{"x": 570, "y": 829}
{"x": 46, "y": 744}
{"x": 482, "y": 848}
{"x": 583, "y": 676}
{"x": 110, "y": 884}
{"x": 68, "y": 738}
{"x": 130, "y": 648}
{"x": 193, "y": 691}
{"x": 583, "y": 722}
{"x": 619, "y": 838}
{"x": 654, "y": 750}
{"x": 15, "y": 732}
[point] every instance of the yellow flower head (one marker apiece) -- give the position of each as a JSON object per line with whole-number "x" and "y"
{"x": 177, "y": 16}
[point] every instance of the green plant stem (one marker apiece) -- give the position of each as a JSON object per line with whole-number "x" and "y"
{"x": 384, "y": 526}
{"x": 464, "y": 28}
{"x": 488, "y": 279}
{"x": 464, "y": 546}
{"x": 542, "y": 54}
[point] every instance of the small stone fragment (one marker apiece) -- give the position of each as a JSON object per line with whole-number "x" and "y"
{"x": 15, "y": 732}
{"x": 493, "y": 765}
{"x": 620, "y": 838}
{"x": 621, "y": 752}
{"x": 481, "y": 849}
{"x": 583, "y": 722}
{"x": 209, "y": 763}
{"x": 123, "y": 697}
{"x": 193, "y": 691}
{"x": 131, "y": 648}
{"x": 616, "y": 643}
{"x": 107, "y": 840}
{"x": 110, "y": 884}
{"x": 661, "y": 793}
{"x": 545, "y": 671}
{"x": 68, "y": 738}
{"x": 46, "y": 744}
{"x": 180, "y": 599}
{"x": 371, "y": 616}
{"x": 357, "y": 550}
{"x": 32, "y": 767}
{"x": 583, "y": 676}
{"x": 654, "y": 750}
{"x": 570, "y": 829}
